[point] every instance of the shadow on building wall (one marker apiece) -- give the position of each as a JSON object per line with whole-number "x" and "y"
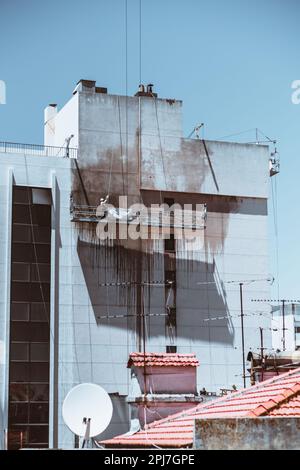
{"x": 113, "y": 275}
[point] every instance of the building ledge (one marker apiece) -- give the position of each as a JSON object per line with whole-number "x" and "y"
{"x": 165, "y": 398}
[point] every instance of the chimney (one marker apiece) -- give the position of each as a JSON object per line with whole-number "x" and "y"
{"x": 85, "y": 86}
{"x": 165, "y": 382}
{"x": 49, "y": 124}
{"x": 49, "y": 112}
{"x": 89, "y": 86}
{"x": 149, "y": 91}
{"x": 150, "y": 88}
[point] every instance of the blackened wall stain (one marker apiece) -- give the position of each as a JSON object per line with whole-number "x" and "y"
{"x": 105, "y": 264}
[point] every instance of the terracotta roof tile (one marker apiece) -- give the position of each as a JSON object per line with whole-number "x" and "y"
{"x": 289, "y": 408}
{"x": 278, "y": 396}
{"x": 139, "y": 359}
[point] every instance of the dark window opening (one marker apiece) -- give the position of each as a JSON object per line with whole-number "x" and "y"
{"x": 171, "y": 318}
{"x": 171, "y": 325}
{"x": 171, "y": 349}
{"x": 170, "y": 277}
{"x": 170, "y": 243}
{"x": 28, "y": 420}
{"x": 169, "y": 201}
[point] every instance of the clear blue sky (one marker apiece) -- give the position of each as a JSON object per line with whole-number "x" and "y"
{"x": 232, "y": 63}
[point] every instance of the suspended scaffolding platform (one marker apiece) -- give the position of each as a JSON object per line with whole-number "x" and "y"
{"x": 146, "y": 216}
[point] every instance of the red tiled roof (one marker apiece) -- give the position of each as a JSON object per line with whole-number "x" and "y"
{"x": 278, "y": 396}
{"x": 139, "y": 359}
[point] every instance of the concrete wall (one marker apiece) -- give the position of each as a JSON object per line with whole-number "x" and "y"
{"x": 114, "y": 130}
{"x": 167, "y": 380}
{"x": 213, "y": 167}
{"x": 235, "y": 241}
{"x": 156, "y": 410}
{"x": 264, "y": 433}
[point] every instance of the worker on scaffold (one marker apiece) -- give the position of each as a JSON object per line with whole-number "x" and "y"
{"x": 102, "y": 210}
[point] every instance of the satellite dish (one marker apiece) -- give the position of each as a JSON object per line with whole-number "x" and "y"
{"x": 87, "y": 410}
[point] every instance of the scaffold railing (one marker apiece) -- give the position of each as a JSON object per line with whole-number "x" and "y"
{"x": 147, "y": 216}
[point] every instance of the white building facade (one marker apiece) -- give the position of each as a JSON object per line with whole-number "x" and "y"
{"x": 70, "y": 307}
{"x": 286, "y": 327}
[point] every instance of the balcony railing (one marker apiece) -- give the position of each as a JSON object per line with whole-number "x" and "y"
{"x": 38, "y": 150}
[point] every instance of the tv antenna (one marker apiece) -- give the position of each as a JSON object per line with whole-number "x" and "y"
{"x": 196, "y": 131}
{"x": 87, "y": 411}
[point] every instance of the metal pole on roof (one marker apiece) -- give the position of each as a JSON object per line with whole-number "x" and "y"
{"x": 283, "y": 325}
{"x": 243, "y": 337}
{"x": 262, "y": 351}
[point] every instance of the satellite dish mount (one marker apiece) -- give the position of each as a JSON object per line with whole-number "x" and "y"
{"x": 86, "y": 438}
{"x": 87, "y": 411}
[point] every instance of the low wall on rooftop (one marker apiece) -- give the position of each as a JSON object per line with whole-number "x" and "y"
{"x": 264, "y": 433}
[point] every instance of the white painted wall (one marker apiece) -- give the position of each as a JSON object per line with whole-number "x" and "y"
{"x": 62, "y": 124}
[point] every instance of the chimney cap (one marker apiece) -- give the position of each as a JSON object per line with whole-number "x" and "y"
{"x": 139, "y": 359}
{"x": 146, "y": 92}
{"x": 85, "y": 86}
{"x": 87, "y": 83}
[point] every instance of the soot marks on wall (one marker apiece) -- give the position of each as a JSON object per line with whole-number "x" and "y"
{"x": 114, "y": 263}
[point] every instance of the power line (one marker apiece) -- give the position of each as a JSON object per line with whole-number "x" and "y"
{"x": 256, "y": 130}
{"x": 216, "y": 318}
{"x": 134, "y": 283}
{"x": 140, "y": 39}
{"x": 276, "y": 300}
{"x": 236, "y": 134}
{"x": 132, "y": 315}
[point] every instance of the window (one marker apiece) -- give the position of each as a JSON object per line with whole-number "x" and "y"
{"x": 19, "y": 351}
{"x": 19, "y": 311}
{"x": 39, "y": 412}
{"x": 29, "y": 320}
{"x": 18, "y": 413}
{"x": 39, "y": 352}
{"x": 170, "y": 243}
{"x": 38, "y": 434}
{"x": 20, "y": 272}
{"x": 171, "y": 349}
{"x": 22, "y": 233}
{"x": 40, "y": 312}
{"x": 19, "y": 371}
{"x": 19, "y": 392}
{"x": 38, "y": 392}
{"x": 40, "y": 272}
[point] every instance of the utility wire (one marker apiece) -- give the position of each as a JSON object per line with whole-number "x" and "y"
{"x": 236, "y": 134}
{"x": 140, "y": 41}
